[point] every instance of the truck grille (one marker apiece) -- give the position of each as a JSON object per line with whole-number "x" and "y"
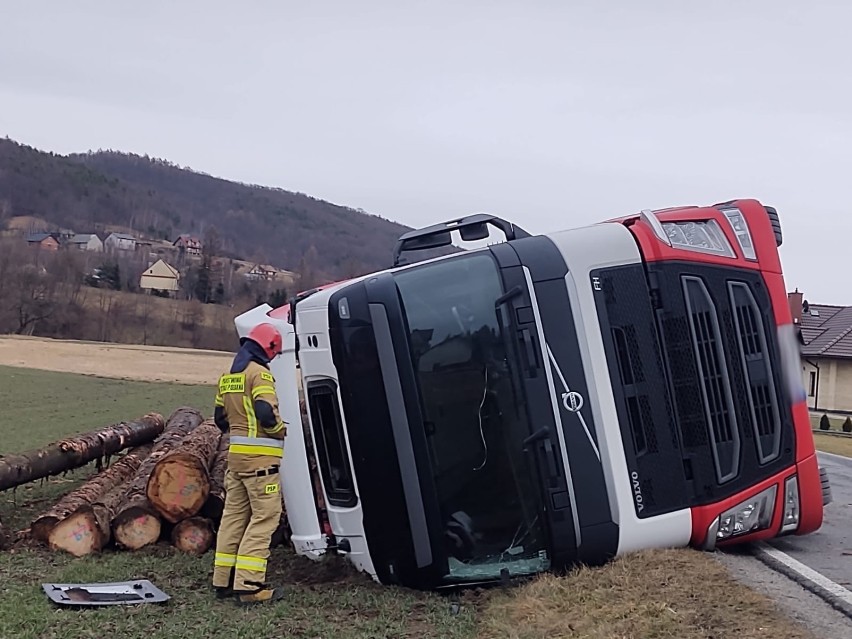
{"x": 632, "y": 372}
{"x": 757, "y": 369}
{"x": 713, "y": 374}
{"x": 701, "y": 406}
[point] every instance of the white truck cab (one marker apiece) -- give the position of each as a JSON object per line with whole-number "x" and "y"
{"x": 532, "y": 404}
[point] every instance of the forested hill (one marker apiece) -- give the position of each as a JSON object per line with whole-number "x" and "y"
{"x": 157, "y": 199}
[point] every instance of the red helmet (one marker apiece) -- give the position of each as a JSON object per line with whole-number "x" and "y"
{"x": 268, "y": 338}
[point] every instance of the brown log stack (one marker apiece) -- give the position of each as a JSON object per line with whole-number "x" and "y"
{"x": 193, "y": 535}
{"x": 89, "y": 493}
{"x": 215, "y": 504}
{"x": 77, "y": 451}
{"x": 135, "y": 522}
{"x": 88, "y": 529}
{"x": 179, "y": 484}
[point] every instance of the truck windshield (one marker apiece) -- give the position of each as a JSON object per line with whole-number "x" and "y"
{"x": 475, "y": 423}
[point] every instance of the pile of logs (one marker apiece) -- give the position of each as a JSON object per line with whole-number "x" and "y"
{"x": 167, "y": 486}
{"x": 166, "y": 482}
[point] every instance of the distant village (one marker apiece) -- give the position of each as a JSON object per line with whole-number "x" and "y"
{"x": 162, "y": 259}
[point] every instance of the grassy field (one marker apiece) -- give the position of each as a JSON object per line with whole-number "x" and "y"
{"x": 829, "y": 443}
{"x": 40, "y": 406}
{"x": 651, "y": 594}
{"x": 832, "y": 444}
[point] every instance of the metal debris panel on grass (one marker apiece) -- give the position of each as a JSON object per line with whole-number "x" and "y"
{"x": 140, "y": 591}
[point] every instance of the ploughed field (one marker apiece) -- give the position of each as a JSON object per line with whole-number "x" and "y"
{"x": 118, "y": 361}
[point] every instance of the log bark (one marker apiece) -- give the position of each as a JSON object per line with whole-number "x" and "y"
{"x": 180, "y": 481}
{"x": 193, "y": 535}
{"x": 215, "y": 504}
{"x": 77, "y": 451}
{"x": 90, "y": 492}
{"x": 135, "y": 522}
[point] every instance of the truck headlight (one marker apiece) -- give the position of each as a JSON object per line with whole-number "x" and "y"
{"x": 740, "y": 226}
{"x": 751, "y": 515}
{"x": 790, "y": 520}
{"x": 704, "y": 236}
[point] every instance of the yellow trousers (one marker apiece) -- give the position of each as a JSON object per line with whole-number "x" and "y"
{"x": 252, "y": 513}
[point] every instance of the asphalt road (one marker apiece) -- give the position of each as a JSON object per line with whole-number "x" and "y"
{"x": 829, "y": 550}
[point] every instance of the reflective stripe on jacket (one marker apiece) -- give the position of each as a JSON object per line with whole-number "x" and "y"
{"x": 256, "y": 446}
{"x": 252, "y": 446}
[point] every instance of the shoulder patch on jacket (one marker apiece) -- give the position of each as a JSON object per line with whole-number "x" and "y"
{"x": 267, "y": 376}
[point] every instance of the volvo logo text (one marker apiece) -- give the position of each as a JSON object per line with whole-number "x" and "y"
{"x": 637, "y": 491}
{"x": 572, "y": 401}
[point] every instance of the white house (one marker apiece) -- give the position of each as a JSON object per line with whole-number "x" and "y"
{"x": 120, "y": 241}
{"x": 188, "y": 244}
{"x": 261, "y": 272}
{"x": 160, "y": 276}
{"x": 86, "y": 242}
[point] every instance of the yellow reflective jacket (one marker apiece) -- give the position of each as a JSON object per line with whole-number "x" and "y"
{"x": 257, "y": 433}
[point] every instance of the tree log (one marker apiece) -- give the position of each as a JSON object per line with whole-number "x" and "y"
{"x": 135, "y": 522}
{"x": 78, "y": 534}
{"x": 215, "y": 504}
{"x": 193, "y": 535}
{"x": 90, "y": 492}
{"x": 180, "y": 482}
{"x": 77, "y": 451}
{"x": 87, "y": 529}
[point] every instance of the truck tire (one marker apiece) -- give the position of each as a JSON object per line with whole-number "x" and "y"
{"x": 826, "y": 487}
{"x": 775, "y": 221}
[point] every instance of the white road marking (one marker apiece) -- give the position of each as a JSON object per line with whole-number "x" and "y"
{"x": 807, "y": 572}
{"x": 840, "y": 458}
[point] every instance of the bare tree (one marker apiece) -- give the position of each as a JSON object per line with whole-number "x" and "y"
{"x": 34, "y": 298}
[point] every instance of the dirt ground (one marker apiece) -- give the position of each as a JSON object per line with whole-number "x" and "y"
{"x": 117, "y": 361}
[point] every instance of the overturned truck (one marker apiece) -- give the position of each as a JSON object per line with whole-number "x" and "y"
{"x": 549, "y": 400}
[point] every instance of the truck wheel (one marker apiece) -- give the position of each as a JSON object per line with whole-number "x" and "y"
{"x": 776, "y": 224}
{"x": 826, "y": 487}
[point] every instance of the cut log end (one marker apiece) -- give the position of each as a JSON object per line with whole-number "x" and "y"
{"x": 194, "y": 535}
{"x": 136, "y": 529}
{"x": 178, "y": 487}
{"x": 78, "y": 535}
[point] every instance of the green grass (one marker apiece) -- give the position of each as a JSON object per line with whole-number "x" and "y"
{"x": 322, "y": 601}
{"x": 660, "y": 594}
{"x": 39, "y": 407}
{"x": 325, "y": 600}
{"x": 833, "y": 444}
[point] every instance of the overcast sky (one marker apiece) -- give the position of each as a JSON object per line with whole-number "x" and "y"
{"x": 550, "y": 113}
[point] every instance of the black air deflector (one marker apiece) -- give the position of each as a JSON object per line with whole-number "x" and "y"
{"x": 763, "y": 401}
{"x": 714, "y": 377}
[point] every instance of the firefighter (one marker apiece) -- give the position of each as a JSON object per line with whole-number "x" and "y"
{"x": 247, "y": 406}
